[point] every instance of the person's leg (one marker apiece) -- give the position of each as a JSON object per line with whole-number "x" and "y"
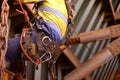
{"x": 14, "y": 57}
{"x": 14, "y": 50}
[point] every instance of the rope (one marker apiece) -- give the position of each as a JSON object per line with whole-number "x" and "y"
{"x": 4, "y": 37}
{"x": 24, "y": 12}
{"x": 26, "y": 17}
{"x": 25, "y": 53}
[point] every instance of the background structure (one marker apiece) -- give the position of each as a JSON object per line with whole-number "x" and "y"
{"x": 89, "y": 15}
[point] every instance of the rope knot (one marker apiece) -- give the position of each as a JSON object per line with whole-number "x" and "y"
{"x": 25, "y": 15}
{"x": 24, "y": 12}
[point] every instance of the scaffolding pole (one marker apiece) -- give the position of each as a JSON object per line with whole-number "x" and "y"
{"x": 102, "y": 57}
{"x": 101, "y": 34}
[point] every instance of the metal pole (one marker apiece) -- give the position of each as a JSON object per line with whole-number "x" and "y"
{"x": 74, "y": 60}
{"x": 69, "y": 54}
{"x": 101, "y": 34}
{"x": 98, "y": 60}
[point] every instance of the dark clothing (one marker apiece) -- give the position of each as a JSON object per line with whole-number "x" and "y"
{"x": 13, "y": 56}
{"x": 14, "y": 50}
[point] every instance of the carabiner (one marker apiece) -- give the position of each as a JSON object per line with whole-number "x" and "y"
{"x": 44, "y": 57}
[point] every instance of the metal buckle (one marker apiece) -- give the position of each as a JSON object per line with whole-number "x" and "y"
{"x": 45, "y": 57}
{"x": 46, "y": 37}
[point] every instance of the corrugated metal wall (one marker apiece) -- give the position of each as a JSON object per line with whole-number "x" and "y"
{"x": 91, "y": 15}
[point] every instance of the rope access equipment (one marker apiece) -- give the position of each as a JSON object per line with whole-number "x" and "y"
{"x": 52, "y": 49}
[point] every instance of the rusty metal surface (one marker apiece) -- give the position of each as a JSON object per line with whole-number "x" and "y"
{"x": 70, "y": 55}
{"x": 117, "y": 15}
{"x": 68, "y": 52}
{"x": 114, "y": 47}
{"x": 112, "y": 9}
{"x": 115, "y": 31}
{"x": 98, "y": 60}
{"x": 94, "y": 35}
{"x": 101, "y": 34}
{"x": 90, "y": 36}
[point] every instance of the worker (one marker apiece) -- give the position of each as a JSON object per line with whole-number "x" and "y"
{"x": 54, "y": 16}
{"x": 52, "y": 19}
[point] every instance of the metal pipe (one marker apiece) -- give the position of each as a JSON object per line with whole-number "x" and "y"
{"x": 69, "y": 54}
{"x": 101, "y": 34}
{"x": 98, "y": 60}
{"x": 90, "y": 65}
{"x": 112, "y": 9}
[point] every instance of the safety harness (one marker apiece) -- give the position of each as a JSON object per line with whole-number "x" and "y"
{"x": 43, "y": 49}
{"x": 41, "y": 35}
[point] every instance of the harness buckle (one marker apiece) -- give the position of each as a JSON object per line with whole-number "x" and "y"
{"x": 46, "y": 57}
{"x": 45, "y": 39}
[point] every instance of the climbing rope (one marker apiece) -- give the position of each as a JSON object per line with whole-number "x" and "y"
{"x": 26, "y": 18}
{"x": 24, "y": 12}
{"x": 24, "y": 51}
{"x": 3, "y": 37}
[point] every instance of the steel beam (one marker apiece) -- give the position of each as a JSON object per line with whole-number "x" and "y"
{"x": 69, "y": 54}
{"x": 112, "y": 9}
{"x": 98, "y": 60}
{"x": 101, "y": 34}
{"x": 116, "y": 15}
